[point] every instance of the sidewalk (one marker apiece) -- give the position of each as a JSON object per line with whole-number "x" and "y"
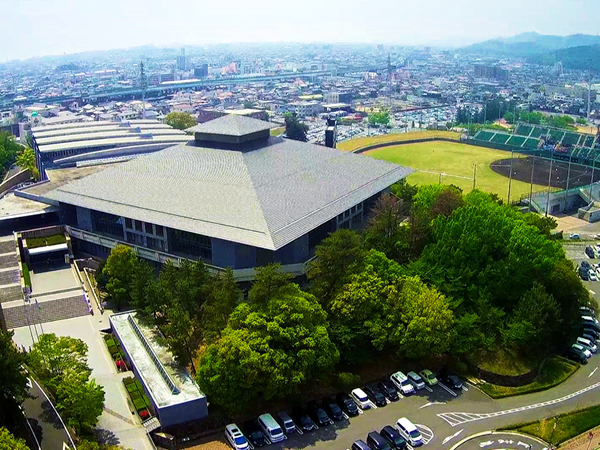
{"x": 581, "y": 442}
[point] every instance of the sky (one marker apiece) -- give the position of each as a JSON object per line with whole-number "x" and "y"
{"x": 31, "y": 28}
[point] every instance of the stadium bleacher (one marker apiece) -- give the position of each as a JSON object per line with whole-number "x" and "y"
{"x": 516, "y": 141}
{"x": 500, "y": 138}
{"x": 557, "y": 135}
{"x": 538, "y": 132}
{"x": 531, "y": 143}
{"x": 484, "y": 135}
{"x": 570, "y": 139}
{"x": 523, "y": 130}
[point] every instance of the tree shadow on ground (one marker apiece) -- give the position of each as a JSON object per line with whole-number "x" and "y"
{"x": 49, "y": 415}
{"x": 106, "y": 437}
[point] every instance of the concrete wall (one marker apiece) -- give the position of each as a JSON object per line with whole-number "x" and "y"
{"x": 223, "y": 253}
{"x": 295, "y": 252}
{"x": 182, "y": 413}
{"x": 84, "y": 219}
{"x": 245, "y": 256}
{"x": 21, "y": 177}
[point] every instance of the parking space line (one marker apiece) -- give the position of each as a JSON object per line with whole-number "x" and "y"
{"x": 428, "y": 388}
{"x": 593, "y": 372}
{"x": 299, "y": 430}
{"x": 345, "y": 416}
{"x": 373, "y": 405}
{"x": 447, "y": 389}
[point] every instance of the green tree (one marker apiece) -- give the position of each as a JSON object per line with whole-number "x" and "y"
{"x": 337, "y": 258}
{"x": 405, "y": 192}
{"x": 80, "y": 399}
{"x": 120, "y": 268}
{"x": 52, "y": 357}
{"x": 13, "y": 380}
{"x": 183, "y": 334}
{"x": 385, "y": 229}
{"x": 268, "y": 283}
{"x": 180, "y": 120}
{"x": 26, "y": 161}
{"x": 222, "y": 300}
{"x": 9, "y": 149}
{"x": 268, "y": 350}
{"x": 382, "y": 118}
{"x": 294, "y": 129}
{"x": 142, "y": 283}
{"x": 10, "y": 442}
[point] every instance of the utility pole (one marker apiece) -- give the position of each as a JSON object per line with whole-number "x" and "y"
{"x": 474, "y": 175}
{"x": 143, "y": 86}
{"x": 549, "y": 178}
{"x": 592, "y": 180}
{"x": 531, "y": 182}
{"x": 567, "y": 187}
{"x": 512, "y": 154}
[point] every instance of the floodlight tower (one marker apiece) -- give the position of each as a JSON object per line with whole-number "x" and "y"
{"x": 144, "y": 86}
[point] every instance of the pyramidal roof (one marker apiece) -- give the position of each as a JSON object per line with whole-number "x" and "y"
{"x": 265, "y": 198}
{"x": 231, "y": 125}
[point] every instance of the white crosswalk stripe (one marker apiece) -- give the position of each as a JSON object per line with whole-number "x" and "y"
{"x": 457, "y": 418}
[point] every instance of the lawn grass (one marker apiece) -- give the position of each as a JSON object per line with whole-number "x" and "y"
{"x": 277, "y": 131}
{"x": 455, "y": 161}
{"x": 504, "y": 362}
{"x": 563, "y": 427}
{"x": 555, "y": 371}
{"x": 26, "y": 276}
{"x": 45, "y": 241}
{"x": 361, "y": 142}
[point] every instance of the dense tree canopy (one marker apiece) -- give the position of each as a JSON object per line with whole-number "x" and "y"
{"x": 26, "y": 160}
{"x": 9, "y": 149}
{"x": 10, "y": 442}
{"x": 120, "y": 268}
{"x": 294, "y": 129}
{"x": 180, "y": 120}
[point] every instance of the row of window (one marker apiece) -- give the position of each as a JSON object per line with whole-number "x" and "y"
{"x": 145, "y": 227}
{"x": 352, "y": 211}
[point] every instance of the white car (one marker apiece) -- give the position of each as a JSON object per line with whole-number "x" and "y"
{"x": 361, "y": 398}
{"x": 574, "y": 236}
{"x": 235, "y": 437}
{"x": 593, "y": 276}
{"x": 401, "y": 382}
{"x": 409, "y": 432}
{"x": 416, "y": 380}
{"x": 587, "y": 343}
{"x": 582, "y": 349}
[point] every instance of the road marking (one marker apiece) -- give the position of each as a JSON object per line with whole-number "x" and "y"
{"x": 466, "y": 389}
{"x": 592, "y": 292}
{"x": 449, "y": 438}
{"x": 485, "y": 444}
{"x": 593, "y": 372}
{"x": 458, "y": 418}
{"x": 428, "y": 388}
{"x": 345, "y": 416}
{"x": 447, "y": 389}
{"x": 426, "y": 433}
{"x": 431, "y": 403}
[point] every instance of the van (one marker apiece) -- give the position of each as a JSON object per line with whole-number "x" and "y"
{"x": 286, "y": 422}
{"x": 590, "y": 322}
{"x": 361, "y": 398}
{"x": 592, "y": 347}
{"x": 409, "y": 432}
{"x": 271, "y": 428}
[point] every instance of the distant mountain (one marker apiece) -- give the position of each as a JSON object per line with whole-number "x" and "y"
{"x": 71, "y": 67}
{"x": 586, "y": 57}
{"x": 528, "y": 44}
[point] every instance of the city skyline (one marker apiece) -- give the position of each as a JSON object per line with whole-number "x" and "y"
{"x": 57, "y": 27}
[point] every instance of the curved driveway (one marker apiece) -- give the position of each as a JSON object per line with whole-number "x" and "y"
{"x": 472, "y": 411}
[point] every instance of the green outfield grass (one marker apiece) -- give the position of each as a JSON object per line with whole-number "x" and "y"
{"x": 362, "y": 142}
{"x": 455, "y": 161}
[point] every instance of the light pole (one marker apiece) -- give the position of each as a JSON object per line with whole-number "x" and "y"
{"x": 549, "y": 178}
{"x": 531, "y": 182}
{"x": 512, "y": 153}
{"x": 567, "y": 186}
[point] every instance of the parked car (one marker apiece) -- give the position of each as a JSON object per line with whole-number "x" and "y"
{"x": 590, "y": 322}
{"x": 450, "y": 380}
{"x": 374, "y": 395}
{"x": 589, "y": 251}
{"x": 235, "y": 437}
{"x": 360, "y": 445}
{"x": 409, "y": 432}
{"x": 402, "y": 382}
{"x": 302, "y": 419}
{"x": 317, "y": 414}
{"x": 587, "y": 343}
{"x": 360, "y": 398}
{"x": 253, "y": 433}
{"x": 586, "y": 310}
{"x": 584, "y": 274}
{"x": 574, "y": 236}
{"x": 592, "y": 332}
{"x": 270, "y": 428}
{"x": 590, "y": 338}
{"x": 388, "y": 389}
{"x": 348, "y": 405}
{"x": 415, "y": 380}
{"x": 593, "y": 276}
{"x": 576, "y": 355}
{"x": 586, "y": 265}
{"x": 375, "y": 441}
{"x": 394, "y": 437}
{"x": 582, "y": 349}
{"x": 332, "y": 409}
{"x": 429, "y": 377}
{"x": 286, "y": 422}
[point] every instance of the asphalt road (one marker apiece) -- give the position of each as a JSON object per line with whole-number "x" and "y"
{"x": 44, "y": 421}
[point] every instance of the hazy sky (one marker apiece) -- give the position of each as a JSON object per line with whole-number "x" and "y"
{"x": 49, "y": 27}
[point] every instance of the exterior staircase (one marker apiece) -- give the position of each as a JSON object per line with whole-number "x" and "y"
{"x": 42, "y": 312}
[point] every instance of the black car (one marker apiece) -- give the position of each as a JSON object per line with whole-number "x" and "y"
{"x": 360, "y": 445}
{"x": 592, "y": 332}
{"x": 393, "y": 437}
{"x": 388, "y": 389}
{"x": 584, "y": 274}
{"x": 586, "y": 265}
{"x": 587, "y": 311}
{"x": 450, "y": 380}
{"x": 377, "y": 442}
{"x": 318, "y": 414}
{"x": 589, "y": 251}
{"x": 576, "y": 355}
{"x": 253, "y": 433}
{"x": 302, "y": 419}
{"x": 332, "y": 409}
{"x": 347, "y": 404}
{"x": 374, "y": 395}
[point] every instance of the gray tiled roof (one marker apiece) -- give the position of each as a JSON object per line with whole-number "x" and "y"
{"x": 265, "y": 198}
{"x": 231, "y": 125}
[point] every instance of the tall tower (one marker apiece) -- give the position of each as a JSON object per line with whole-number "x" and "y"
{"x": 143, "y": 86}
{"x": 389, "y": 80}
